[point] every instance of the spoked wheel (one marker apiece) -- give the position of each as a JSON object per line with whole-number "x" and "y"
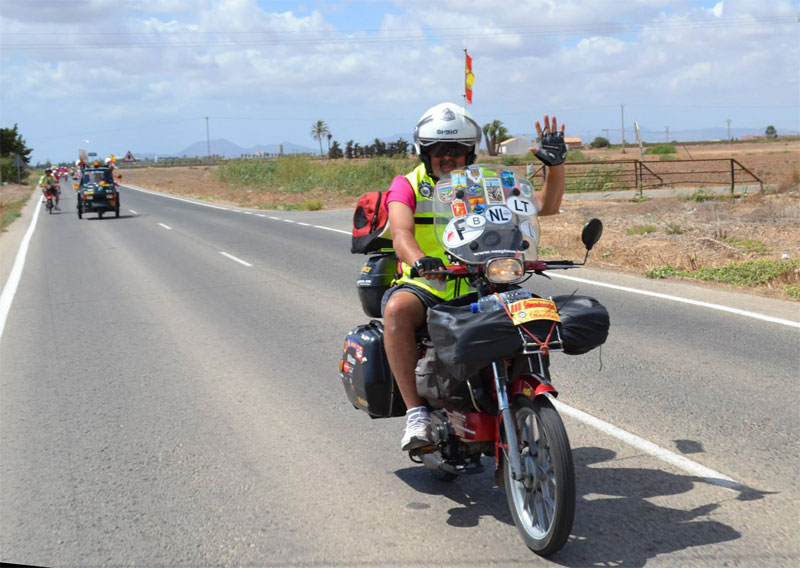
{"x": 50, "y": 206}
{"x": 543, "y": 503}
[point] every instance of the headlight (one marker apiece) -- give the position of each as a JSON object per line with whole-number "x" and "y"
{"x": 505, "y": 270}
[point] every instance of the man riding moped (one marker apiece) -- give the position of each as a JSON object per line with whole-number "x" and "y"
{"x": 446, "y": 138}
{"x": 49, "y": 184}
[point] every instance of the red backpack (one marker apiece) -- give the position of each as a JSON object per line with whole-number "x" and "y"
{"x": 371, "y": 224}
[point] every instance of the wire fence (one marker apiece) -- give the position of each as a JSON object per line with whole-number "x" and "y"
{"x": 637, "y": 175}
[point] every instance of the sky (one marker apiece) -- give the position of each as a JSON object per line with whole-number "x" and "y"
{"x": 117, "y": 75}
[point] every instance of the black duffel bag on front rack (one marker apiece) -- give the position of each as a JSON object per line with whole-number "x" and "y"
{"x": 584, "y": 323}
{"x": 465, "y": 338}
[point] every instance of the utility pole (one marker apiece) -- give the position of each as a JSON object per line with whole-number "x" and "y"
{"x": 667, "y": 127}
{"x": 730, "y": 140}
{"x": 208, "y": 140}
{"x": 622, "y": 110}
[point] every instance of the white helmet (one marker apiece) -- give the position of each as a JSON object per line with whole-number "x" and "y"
{"x": 446, "y": 122}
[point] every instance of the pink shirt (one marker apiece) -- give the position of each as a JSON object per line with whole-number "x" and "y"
{"x": 401, "y": 191}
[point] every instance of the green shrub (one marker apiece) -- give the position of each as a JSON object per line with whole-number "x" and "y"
{"x": 298, "y": 174}
{"x": 674, "y": 229}
{"x": 750, "y": 273}
{"x": 510, "y": 160}
{"x": 667, "y": 158}
{"x": 595, "y": 179}
{"x": 599, "y": 142}
{"x": 746, "y": 245}
{"x": 576, "y": 156}
{"x": 644, "y": 230}
{"x": 793, "y": 292}
{"x": 661, "y": 149}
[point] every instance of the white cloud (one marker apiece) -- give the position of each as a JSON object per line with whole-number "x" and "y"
{"x": 177, "y": 59}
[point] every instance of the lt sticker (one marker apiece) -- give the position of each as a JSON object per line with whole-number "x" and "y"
{"x": 459, "y": 232}
{"x": 521, "y": 206}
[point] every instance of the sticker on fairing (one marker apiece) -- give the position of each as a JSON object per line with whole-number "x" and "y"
{"x": 494, "y": 192}
{"x": 499, "y": 214}
{"x": 525, "y": 188}
{"x": 527, "y": 229}
{"x": 458, "y": 233}
{"x": 445, "y": 193}
{"x": 459, "y": 179}
{"x": 477, "y": 204}
{"x": 474, "y": 175}
{"x": 521, "y": 206}
{"x": 475, "y": 189}
{"x": 507, "y": 176}
{"x": 475, "y": 221}
{"x": 459, "y": 208}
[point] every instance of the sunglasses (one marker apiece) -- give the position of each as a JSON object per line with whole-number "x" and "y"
{"x": 451, "y": 149}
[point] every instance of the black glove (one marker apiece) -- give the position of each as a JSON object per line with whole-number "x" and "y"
{"x": 551, "y": 149}
{"x": 428, "y": 263}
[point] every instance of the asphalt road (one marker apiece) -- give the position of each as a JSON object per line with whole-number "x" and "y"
{"x": 162, "y": 403}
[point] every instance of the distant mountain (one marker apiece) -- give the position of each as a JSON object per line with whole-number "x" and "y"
{"x": 222, "y": 147}
{"x": 695, "y": 135}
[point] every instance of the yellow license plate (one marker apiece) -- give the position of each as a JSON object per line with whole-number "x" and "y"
{"x": 531, "y": 309}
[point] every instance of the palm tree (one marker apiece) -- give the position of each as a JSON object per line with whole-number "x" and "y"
{"x": 318, "y": 131}
{"x": 494, "y": 133}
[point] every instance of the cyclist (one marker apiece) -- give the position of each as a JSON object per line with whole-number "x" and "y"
{"x": 446, "y": 138}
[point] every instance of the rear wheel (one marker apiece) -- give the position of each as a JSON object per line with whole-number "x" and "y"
{"x": 100, "y": 214}
{"x": 543, "y": 503}
{"x": 80, "y": 211}
{"x": 116, "y": 211}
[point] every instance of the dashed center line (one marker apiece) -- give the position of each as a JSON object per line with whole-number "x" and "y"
{"x": 132, "y": 211}
{"x": 239, "y": 260}
{"x": 166, "y": 226}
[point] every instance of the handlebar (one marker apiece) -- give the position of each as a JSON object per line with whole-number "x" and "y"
{"x": 459, "y": 270}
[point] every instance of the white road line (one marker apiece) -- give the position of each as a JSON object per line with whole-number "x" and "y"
{"x": 287, "y": 220}
{"x": 166, "y": 226}
{"x": 736, "y": 311}
{"x": 10, "y": 288}
{"x": 132, "y": 211}
{"x": 260, "y": 215}
{"x": 329, "y": 229}
{"x": 303, "y": 224}
{"x": 247, "y": 212}
{"x": 143, "y": 190}
{"x": 239, "y": 260}
{"x": 275, "y": 218}
{"x": 685, "y": 464}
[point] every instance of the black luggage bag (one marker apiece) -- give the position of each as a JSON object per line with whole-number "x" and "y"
{"x": 367, "y": 379}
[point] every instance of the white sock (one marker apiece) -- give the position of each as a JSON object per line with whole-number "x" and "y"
{"x": 417, "y": 412}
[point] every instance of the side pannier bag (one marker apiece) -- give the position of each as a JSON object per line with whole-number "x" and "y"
{"x": 366, "y": 377}
{"x": 371, "y": 224}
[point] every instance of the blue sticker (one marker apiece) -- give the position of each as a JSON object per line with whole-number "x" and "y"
{"x": 475, "y": 189}
{"x": 508, "y": 178}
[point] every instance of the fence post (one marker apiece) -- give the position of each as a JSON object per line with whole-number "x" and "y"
{"x": 732, "y": 179}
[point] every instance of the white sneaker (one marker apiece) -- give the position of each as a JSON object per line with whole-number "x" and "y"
{"x": 417, "y": 434}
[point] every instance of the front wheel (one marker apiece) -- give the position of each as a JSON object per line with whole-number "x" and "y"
{"x": 543, "y": 503}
